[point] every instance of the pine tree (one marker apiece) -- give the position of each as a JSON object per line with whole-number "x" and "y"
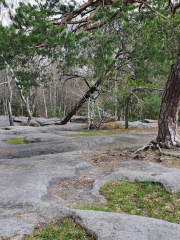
{"x": 153, "y": 18}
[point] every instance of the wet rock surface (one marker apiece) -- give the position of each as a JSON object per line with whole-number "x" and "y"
{"x": 41, "y": 180}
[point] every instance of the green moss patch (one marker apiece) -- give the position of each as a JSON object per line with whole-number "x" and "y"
{"x": 66, "y": 230}
{"x": 16, "y": 141}
{"x": 144, "y": 199}
{"x": 102, "y": 133}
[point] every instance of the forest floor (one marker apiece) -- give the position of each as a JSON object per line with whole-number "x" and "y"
{"x": 112, "y": 159}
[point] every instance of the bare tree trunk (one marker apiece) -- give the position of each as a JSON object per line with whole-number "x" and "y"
{"x": 26, "y": 102}
{"x": 99, "y": 112}
{"x": 128, "y": 104}
{"x": 116, "y": 100}
{"x": 89, "y": 106}
{"x": 11, "y": 122}
{"x": 92, "y": 110}
{"x": 91, "y": 117}
{"x": 168, "y": 116}
{"x": 4, "y": 106}
{"x": 45, "y": 105}
{"x": 50, "y": 94}
{"x": 80, "y": 103}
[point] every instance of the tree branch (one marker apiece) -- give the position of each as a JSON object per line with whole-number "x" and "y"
{"x": 147, "y": 5}
{"x": 175, "y": 8}
{"x": 147, "y": 88}
{"x": 4, "y": 82}
{"x": 170, "y": 5}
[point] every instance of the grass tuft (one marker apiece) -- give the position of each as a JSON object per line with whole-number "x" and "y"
{"x": 16, "y": 141}
{"x": 86, "y": 134}
{"x": 66, "y": 230}
{"x": 102, "y": 133}
{"x": 145, "y": 199}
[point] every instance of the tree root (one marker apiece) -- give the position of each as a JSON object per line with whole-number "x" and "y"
{"x": 171, "y": 154}
{"x": 154, "y": 145}
{"x": 144, "y": 148}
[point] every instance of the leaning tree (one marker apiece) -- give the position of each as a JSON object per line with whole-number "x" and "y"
{"x": 158, "y": 22}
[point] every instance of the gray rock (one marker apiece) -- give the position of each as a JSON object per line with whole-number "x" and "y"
{"x": 4, "y": 121}
{"x": 101, "y": 143}
{"x": 134, "y": 171}
{"x": 23, "y": 121}
{"x": 139, "y": 124}
{"x": 150, "y": 121}
{"x": 79, "y": 119}
{"x": 38, "y": 189}
{"x": 20, "y": 119}
{"x": 43, "y": 137}
{"x": 45, "y": 121}
{"x": 34, "y": 123}
{"x": 29, "y": 195}
{"x": 116, "y": 226}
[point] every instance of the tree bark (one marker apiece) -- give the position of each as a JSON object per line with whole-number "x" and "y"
{"x": 92, "y": 110}
{"x": 80, "y": 103}
{"x": 128, "y": 104}
{"x": 45, "y": 105}
{"x": 9, "y": 105}
{"x": 92, "y": 113}
{"x": 168, "y": 116}
{"x": 11, "y": 121}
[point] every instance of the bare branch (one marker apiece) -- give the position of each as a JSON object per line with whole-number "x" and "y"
{"x": 147, "y": 88}
{"x": 147, "y": 5}
{"x": 170, "y": 5}
{"x": 139, "y": 100}
{"x": 97, "y": 9}
{"x": 142, "y": 149}
{"x": 140, "y": 7}
{"x": 3, "y": 83}
{"x": 86, "y": 82}
{"x": 175, "y": 8}
{"x": 39, "y": 46}
{"x": 78, "y": 11}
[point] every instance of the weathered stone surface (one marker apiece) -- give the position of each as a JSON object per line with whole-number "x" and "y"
{"x": 34, "y": 123}
{"x": 63, "y": 144}
{"x": 20, "y": 119}
{"x": 26, "y": 197}
{"x": 39, "y": 189}
{"x": 4, "y": 121}
{"x": 150, "y": 121}
{"x": 43, "y": 137}
{"x": 117, "y": 226}
{"x": 139, "y": 124}
{"x": 134, "y": 171}
{"x": 45, "y": 121}
{"x": 79, "y": 119}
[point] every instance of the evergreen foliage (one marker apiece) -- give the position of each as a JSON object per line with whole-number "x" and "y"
{"x": 133, "y": 48}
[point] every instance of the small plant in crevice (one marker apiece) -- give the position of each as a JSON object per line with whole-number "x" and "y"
{"x": 67, "y": 229}
{"x": 16, "y": 141}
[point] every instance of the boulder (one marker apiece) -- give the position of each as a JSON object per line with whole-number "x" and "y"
{"x": 34, "y": 123}
{"x": 79, "y": 119}
{"x": 149, "y": 121}
{"x": 45, "y": 121}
